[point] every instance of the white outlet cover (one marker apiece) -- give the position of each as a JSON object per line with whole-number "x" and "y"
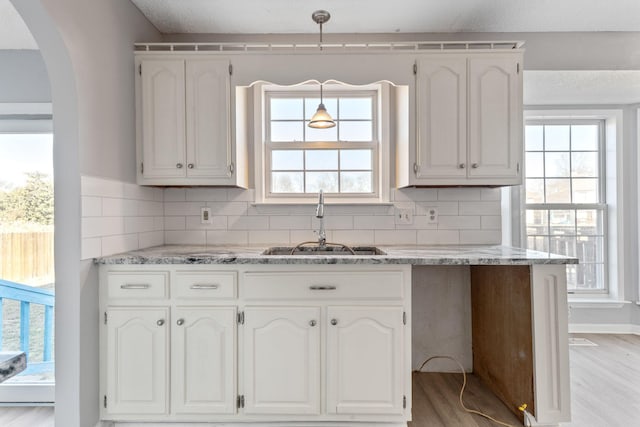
{"x": 432, "y": 216}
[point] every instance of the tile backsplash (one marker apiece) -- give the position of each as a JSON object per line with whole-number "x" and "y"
{"x": 119, "y": 217}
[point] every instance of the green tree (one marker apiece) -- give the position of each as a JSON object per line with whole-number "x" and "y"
{"x": 31, "y": 203}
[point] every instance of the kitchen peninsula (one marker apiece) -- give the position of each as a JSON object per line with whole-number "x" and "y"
{"x": 221, "y": 333}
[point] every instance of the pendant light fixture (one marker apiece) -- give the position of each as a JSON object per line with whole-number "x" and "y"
{"x": 321, "y": 119}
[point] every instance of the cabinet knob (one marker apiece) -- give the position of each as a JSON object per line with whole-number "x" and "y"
{"x": 461, "y": 166}
{"x": 334, "y": 322}
{"x": 312, "y": 323}
{"x": 475, "y": 165}
{"x": 160, "y": 322}
{"x": 190, "y": 165}
{"x": 179, "y": 165}
{"x": 180, "y": 322}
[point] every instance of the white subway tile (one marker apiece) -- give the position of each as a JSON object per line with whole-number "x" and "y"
{"x": 118, "y": 244}
{"x": 102, "y": 226}
{"x": 158, "y": 194}
{"x": 150, "y": 208}
{"x": 415, "y": 194}
{"x": 241, "y": 195}
{"x": 438, "y": 237}
{"x": 333, "y": 222}
{"x": 174, "y": 223}
{"x": 92, "y": 186}
{"x": 281, "y": 209}
{"x": 355, "y": 209}
{"x": 182, "y": 208}
{"x": 175, "y": 195}
{"x": 138, "y": 224}
{"x": 395, "y": 237}
{"x": 299, "y": 236}
{"x": 289, "y": 222}
{"x": 119, "y": 207}
{"x": 420, "y": 222}
{"x": 150, "y": 239}
{"x": 248, "y": 222}
{"x": 91, "y": 206}
{"x": 450, "y": 194}
{"x": 217, "y": 223}
{"x": 271, "y": 237}
{"x": 480, "y": 208}
{"x": 190, "y": 237}
{"x": 137, "y": 192}
{"x": 91, "y": 248}
{"x": 228, "y": 208}
{"x": 491, "y": 194}
{"x": 353, "y": 237}
{"x": 158, "y": 223}
{"x": 227, "y": 237}
{"x": 491, "y": 222}
{"x": 480, "y": 237}
{"x": 447, "y": 222}
{"x": 374, "y": 222}
{"x": 206, "y": 195}
{"x": 444, "y": 208}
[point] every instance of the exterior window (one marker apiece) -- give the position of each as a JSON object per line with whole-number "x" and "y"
{"x": 565, "y": 209}
{"x": 342, "y": 161}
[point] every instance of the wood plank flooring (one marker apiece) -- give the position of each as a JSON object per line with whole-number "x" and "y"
{"x": 605, "y": 392}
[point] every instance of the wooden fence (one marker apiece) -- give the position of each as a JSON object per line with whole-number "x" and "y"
{"x": 26, "y": 255}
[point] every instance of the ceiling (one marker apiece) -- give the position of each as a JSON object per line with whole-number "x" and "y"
{"x": 385, "y": 16}
{"x": 14, "y": 33}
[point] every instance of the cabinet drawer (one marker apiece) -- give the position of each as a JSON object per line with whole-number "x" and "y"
{"x": 205, "y": 284}
{"x": 137, "y": 285}
{"x": 324, "y": 285}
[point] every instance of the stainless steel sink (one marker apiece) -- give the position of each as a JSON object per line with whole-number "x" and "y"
{"x": 325, "y": 250}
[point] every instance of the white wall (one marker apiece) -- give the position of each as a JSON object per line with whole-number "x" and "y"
{"x": 23, "y": 77}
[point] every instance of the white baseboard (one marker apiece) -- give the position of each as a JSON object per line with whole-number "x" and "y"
{"x": 604, "y": 328}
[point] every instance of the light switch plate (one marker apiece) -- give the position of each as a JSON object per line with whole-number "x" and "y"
{"x": 404, "y": 216}
{"x": 205, "y": 215}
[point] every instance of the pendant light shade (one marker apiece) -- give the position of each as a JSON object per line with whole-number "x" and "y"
{"x": 321, "y": 119}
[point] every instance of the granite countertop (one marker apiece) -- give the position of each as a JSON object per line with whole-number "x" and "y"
{"x": 415, "y": 255}
{"x": 11, "y": 363}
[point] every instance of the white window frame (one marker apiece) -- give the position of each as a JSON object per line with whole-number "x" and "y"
{"x": 379, "y": 145}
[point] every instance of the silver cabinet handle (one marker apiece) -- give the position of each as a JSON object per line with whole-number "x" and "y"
{"x": 475, "y": 165}
{"x": 180, "y": 322}
{"x": 334, "y": 322}
{"x": 312, "y": 323}
{"x": 135, "y": 286}
{"x": 204, "y": 286}
{"x": 160, "y": 322}
{"x": 461, "y": 166}
{"x": 179, "y": 165}
{"x": 322, "y": 288}
{"x": 190, "y": 165}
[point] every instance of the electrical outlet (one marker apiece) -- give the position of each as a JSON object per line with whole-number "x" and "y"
{"x": 205, "y": 215}
{"x": 404, "y": 216}
{"x": 432, "y": 216}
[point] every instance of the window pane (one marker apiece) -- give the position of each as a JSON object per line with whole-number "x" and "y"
{"x": 322, "y": 159}
{"x": 585, "y": 190}
{"x": 584, "y": 164}
{"x": 325, "y": 181}
{"x": 564, "y": 245}
{"x": 589, "y": 222}
{"x": 535, "y": 164}
{"x": 589, "y": 276}
{"x": 571, "y": 277}
{"x": 558, "y": 191}
{"x": 286, "y": 108}
{"x": 557, "y": 164}
{"x": 562, "y": 222}
{"x": 535, "y": 190}
{"x": 315, "y": 135}
{"x": 286, "y": 160}
{"x": 356, "y": 131}
{"x": 356, "y": 182}
{"x": 356, "y": 108}
{"x": 584, "y": 137}
{"x": 538, "y": 243}
{"x": 556, "y": 138}
{"x": 589, "y": 249}
{"x": 537, "y": 222}
{"x": 286, "y": 182}
{"x": 311, "y": 105}
{"x": 533, "y": 138}
{"x": 286, "y": 131}
{"x": 355, "y": 159}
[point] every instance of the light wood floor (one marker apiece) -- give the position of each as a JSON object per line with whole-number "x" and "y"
{"x": 605, "y": 392}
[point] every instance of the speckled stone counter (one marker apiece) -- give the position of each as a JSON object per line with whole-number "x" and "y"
{"x": 11, "y": 363}
{"x": 415, "y": 255}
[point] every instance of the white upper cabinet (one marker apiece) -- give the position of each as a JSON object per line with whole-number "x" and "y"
{"x": 184, "y": 123}
{"x": 468, "y": 121}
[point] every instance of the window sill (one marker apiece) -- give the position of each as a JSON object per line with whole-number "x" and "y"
{"x": 314, "y": 203}
{"x": 597, "y": 303}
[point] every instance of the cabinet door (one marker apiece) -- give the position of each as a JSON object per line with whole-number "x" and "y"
{"x": 441, "y": 89}
{"x": 364, "y": 360}
{"x": 203, "y": 360}
{"x": 495, "y": 117}
{"x": 282, "y": 360}
{"x": 208, "y": 134}
{"x": 137, "y": 369}
{"x": 163, "y": 118}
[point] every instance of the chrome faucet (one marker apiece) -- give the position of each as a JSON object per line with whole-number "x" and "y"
{"x": 322, "y": 235}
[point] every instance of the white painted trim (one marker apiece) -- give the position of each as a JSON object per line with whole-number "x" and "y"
{"x": 266, "y": 424}
{"x": 604, "y": 328}
{"x": 597, "y": 303}
{"x": 7, "y": 108}
{"x": 24, "y": 393}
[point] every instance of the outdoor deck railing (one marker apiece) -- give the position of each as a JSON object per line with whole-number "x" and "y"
{"x": 28, "y": 295}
